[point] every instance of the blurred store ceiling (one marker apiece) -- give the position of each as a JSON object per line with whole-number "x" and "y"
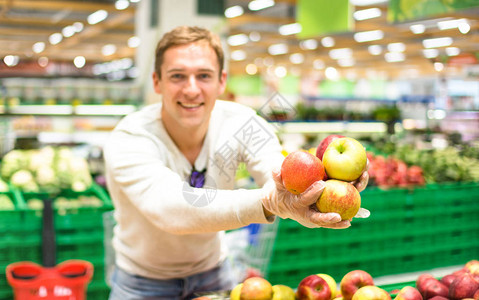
{"x": 25, "y": 23}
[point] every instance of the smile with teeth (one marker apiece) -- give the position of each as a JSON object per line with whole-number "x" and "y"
{"x": 190, "y": 105}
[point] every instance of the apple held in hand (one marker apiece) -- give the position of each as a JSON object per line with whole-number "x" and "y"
{"x": 408, "y": 293}
{"x": 313, "y": 287}
{"x": 256, "y": 288}
{"x": 299, "y": 170}
{"x": 345, "y": 159}
{"x": 340, "y": 197}
{"x": 354, "y": 280}
{"x": 325, "y": 143}
{"x": 371, "y": 292}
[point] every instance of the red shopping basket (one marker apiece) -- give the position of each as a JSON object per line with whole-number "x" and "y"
{"x": 66, "y": 281}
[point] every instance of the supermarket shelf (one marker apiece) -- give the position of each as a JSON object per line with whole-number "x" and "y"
{"x": 67, "y": 110}
{"x": 332, "y": 127}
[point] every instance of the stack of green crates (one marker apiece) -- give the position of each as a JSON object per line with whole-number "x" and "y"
{"x": 409, "y": 230}
{"x": 79, "y": 235}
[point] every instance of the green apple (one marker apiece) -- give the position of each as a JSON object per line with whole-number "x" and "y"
{"x": 332, "y": 284}
{"x": 345, "y": 159}
{"x": 339, "y": 197}
{"x": 283, "y": 292}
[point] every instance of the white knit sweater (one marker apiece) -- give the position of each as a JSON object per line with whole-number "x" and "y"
{"x": 166, "y": 229}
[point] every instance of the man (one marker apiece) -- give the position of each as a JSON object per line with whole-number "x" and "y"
{"x": 170, "y": 171}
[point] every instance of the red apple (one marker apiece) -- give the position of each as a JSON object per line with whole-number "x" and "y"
{"x": 325, "y": 143}
{"x": 476, "y": 295}
{"x": 371, "y": 292}
{"x": 438, "y": 298}
{"x": 313, "y": 287}
{"x": 463, "y": 287}
{"x": 354, "y": 280}
{"x": 472, "y": 267}
{"x": 256, "y": 288}
{"x": 447, "y": 279}
{"x": 340, "y": 197}
{"x": 408, "y": 293}
{"x": 345, "y": 159}
{"x": 299, "y": 170}
{"x": 430, "y": 287}
{"x": 331, "y": 282}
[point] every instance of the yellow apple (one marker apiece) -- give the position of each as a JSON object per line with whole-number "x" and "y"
{"x": 371, "y": 292}
{"x": 332, "y": 284}
{"x": 256, "y": 288}
{"x": 236, "y": 291}
{"x": 345, "y": 159}
{"x": 282, "y": 292}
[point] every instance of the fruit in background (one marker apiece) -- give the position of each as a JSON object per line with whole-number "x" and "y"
{"x": 323, "y": 145}
{"x": 345, "y": 159}
{"x": 472, "y": 267}
{"x": 236, "y": 291}
{"x": 408, "y": 293}
{"x": 283, "y": 292}
{"x": 299, "y": 170}
{"x": 313, "y": 287}
{"x": 429, "y": 287}
{"x": 354, "y": 280}
{"x": 447, "y": 279}
{"x": 438, "y": 298}
{"x": 476, "y": 295}
{"x": 371, "y": 292}
{"x": 463, "y": 287}
{"x": 340, "y": 197}
{"x": 331, "y": 283}
{"x": 256, "y": 288}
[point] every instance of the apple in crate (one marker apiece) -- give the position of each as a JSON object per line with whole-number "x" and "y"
{"x": 256, "y": 288}
{"x": 408, "y": 293}
{"x": 340, "y": 197}
{"x": 463, "y": 287}
{"x": 472, "y": 267}
{"x": 313, "y": 287}
{"x": 371, "y": 292}
{"x": 331, "y": 283}
{"x": 325, "y": 143}
{"x": 354, "y": 280}
{"x": 299, "y": 170}
{"x": 283, "y": 292}
{"x": 447, "y": 279}
{"x": 429, "y": 286}
{"x": 345, "y": 159}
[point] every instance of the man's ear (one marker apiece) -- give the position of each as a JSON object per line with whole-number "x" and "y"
{"x": 156, "y": 82}
{"x": 223, "y": 79}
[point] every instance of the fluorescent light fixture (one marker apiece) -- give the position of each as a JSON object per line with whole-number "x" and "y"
{"x": 331, "y": 73}
{"x": 135, "y": 1}
{"x": 238, "y": 55}
{"x": 237, "y": 39}
{"x": 318, "y": 64}
{"x": 396, "y": 47}
{"x": 452, "y": 51}
{"x": 11, "y": 60}
{"x": 79, "y": 62}
{"x": 430, "y": 53}
{"x": 78, "y": 26}
{"x": 43, "y": 61}
{"x": 42, "y": 109}
{"x": 134, "y": 42}
{"x": 437, "y": 42}
{"x": 365, "y": 14}
{"x": 260, "y": 4}
{"x": 375, "y": 49}
{"x": 366, "y": 2}
{"x": 254, "y": 36}
{"x": 367, "y": 36}
{"x": 122, "y": 4}
{"x": 464, "y": 27}
{"x": 280, "y": 71}
{"x": 108, "y": 50}
{"x": 277, "y": 49}
{"x": 289, "y": 29}
{"x": 296, "y": 58}
{"x": 327, "y": 42}
{"x": 417, "y": 28}
{"x": 346, "y": 62}
{"x": 341, "y": 53}
{"x": 38, "y": 47}
{"x": 450, "y": 24}
{"x": 55, "y": 38}
{"x": 97, "y": 17}
{"x": 251, "y": 69}
{"x": 68, "y": 31}
{"x": 438, "y": 66}
{"x": 394, "y": 56}
{"x": 234, "y": 11}
{"x": 310, "y": 44}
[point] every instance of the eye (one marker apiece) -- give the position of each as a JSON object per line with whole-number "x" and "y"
{"x": 177, "y": 76}
{"x": 204, "y": 76}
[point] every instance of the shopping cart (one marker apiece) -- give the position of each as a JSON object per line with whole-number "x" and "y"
{"x": 66, "y": 281}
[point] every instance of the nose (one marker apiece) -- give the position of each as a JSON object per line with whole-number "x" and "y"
{"x": 191, "y": 89}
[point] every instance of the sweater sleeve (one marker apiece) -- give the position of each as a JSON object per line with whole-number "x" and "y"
{"x": 136, "y": 173}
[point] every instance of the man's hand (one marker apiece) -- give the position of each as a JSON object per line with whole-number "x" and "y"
{"x": 301, "y": 208}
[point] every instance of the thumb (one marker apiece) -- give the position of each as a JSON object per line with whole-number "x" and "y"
{"x": 312, "y": 193}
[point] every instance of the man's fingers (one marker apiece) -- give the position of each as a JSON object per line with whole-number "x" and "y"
{"x": 312, "y": 193}
{"x": 363, "y": 213}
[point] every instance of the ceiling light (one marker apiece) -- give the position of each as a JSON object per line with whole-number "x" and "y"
{"x": 430, "y": 53}
{"x": 375, "y": 49}
{"x": 394, "y": 56}
{"x": 450, "y": 24}
{"x": 234, "y": 11}
{"x": 134, "y": 42}
{"x": 79, "y": 62}
{"x": 43, "y": 61}
{"x": 277, "y": 49}
{"x": 251, "y": 69}
{"x": 238, "y": 55}
{"x": 296, "y": 58}
{"x": 134, "y": 1}
{"x": 366, "y": 2}
{"x": 280, "y": 71}
{"x": 318, "y": 64}
{"x": 11, "y": 60}
{"x": 289, "y": 29}
{"x": 346, "y": 62}
{"x": 310, "y": 44}
{"x": 237, "y": 39}
{"x": 68, "y": 31}
{"x": 417, "y": 28}
{"x": 437, "y": 42}
{"x": 341, "y": 53}
{"x": 327, "y": 42}
{"x": 108, "y": 50}
{"x": 78, "y": 26}
{"x": 38, "y": 47}
{"x": 464, "y": 27}
{"x": 365, "y": 14}
{"x": 367, "y": 36}
{"x": 452, "y": 51}
{"x": 260, "y": 4}
{"x": 97, "y": 17}
{"x": 122, "y": 4}
{"x": 438, "y": 66}
{"x": 396, "y": 47}
{"x": 254, "y": 36}
{"x": 331, "y": 73}
{"x": 55, "y": 38}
